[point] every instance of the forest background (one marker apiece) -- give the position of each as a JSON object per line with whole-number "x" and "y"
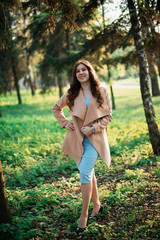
{"x": 40, "y": 41}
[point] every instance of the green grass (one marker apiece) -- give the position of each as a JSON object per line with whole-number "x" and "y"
{"x": 42, "y": 184}
{"x": 129, "y": 81}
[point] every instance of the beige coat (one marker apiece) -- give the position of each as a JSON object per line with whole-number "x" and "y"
{"x": 95, "y": 115}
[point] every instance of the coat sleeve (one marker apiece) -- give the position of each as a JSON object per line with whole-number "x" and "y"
{"x": 57, "y": 110}
{"x": 103, "y": 122}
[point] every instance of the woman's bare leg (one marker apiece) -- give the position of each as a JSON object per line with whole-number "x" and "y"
{"x": 95, "y": 197}
{"x": 86, "y": 189}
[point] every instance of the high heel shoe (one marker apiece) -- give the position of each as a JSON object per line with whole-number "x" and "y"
{"x": 79, "y": 230}
{"x": 100, "y": 210}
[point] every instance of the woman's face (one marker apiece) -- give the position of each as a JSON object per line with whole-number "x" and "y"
{"x": 82, "y": 73}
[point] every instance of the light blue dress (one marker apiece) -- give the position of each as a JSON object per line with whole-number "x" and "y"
{"x": 88, "y": 160}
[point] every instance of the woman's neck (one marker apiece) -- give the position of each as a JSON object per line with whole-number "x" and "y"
{"x": 86, "y": 87}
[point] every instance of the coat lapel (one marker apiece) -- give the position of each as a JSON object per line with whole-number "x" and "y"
{"x": 79, "y": 108}
{"x": 93, "y": 113}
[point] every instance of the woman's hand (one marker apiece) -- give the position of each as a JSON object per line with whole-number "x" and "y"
{"x": 86, "y": 131}
{"x": 70, "y": 126}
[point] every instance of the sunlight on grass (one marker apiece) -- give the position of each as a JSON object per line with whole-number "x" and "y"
{"x": 43, "y": 184}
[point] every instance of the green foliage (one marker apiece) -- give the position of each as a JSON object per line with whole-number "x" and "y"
{"x": 42, "y": 183}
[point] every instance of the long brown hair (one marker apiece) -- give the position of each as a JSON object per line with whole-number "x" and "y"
{"x": 75, "y": 85}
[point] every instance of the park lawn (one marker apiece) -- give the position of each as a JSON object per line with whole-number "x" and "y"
{"x": 42, "y": 184}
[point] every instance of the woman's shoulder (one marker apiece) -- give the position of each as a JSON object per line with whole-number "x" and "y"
{"x": 64, "y": 95}
{"x": 62, "y": 100}
{"x": 103, "y": 90}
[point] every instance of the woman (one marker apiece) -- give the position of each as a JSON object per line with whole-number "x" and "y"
{"x": 86, "y": 138}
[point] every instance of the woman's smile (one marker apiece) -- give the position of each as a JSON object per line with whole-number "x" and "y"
{"x": 82, "y": 73}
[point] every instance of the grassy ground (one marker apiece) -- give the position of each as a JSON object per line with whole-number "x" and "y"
{"x": 43, "y": 185}
{"x": 129, "y": 82}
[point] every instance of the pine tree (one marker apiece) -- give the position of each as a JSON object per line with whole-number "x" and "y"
{"x": 5, "y": 216}
{"x": 144, "y": 81}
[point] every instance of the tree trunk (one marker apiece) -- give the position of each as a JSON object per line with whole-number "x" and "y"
{"x": 111, "y": 88}
{"x": 60, "y": 85}
{"x": 27, "y": 57}
{"x": 108, "y": 66}
{"x": 112, "y": 97}
{"x": 144, "y": 81}
{"x": 69, "y": 72}
{"x": 15, "y": 77}
{"x": 154, "y": 79}
{"x": 34, "y": 78}
{"x": 5, "y": 216}
{"x": 28, "y": 72}
{"x": 158, "y": 65}
{"x": 150, "y": 55}
{"x": 0, "y": 113}
{"x": 67, "y": 42}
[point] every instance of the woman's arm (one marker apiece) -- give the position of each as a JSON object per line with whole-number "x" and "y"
{"x": 57, "y": 110}
{"x": 104, "y": 121}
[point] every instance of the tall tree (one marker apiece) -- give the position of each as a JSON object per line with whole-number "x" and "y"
{"x": 14, "y": 69}
{"x": 8, "y": 40}
{"x": 110, "y": 85}
{"x": 144, "y": 81}
{"x": 63, "y": 41}
{"x": 25, "y": 37}
{"x": 5, "y": 216}
{"x": 147, "y": 17}
{"x": 108, "y": 66}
